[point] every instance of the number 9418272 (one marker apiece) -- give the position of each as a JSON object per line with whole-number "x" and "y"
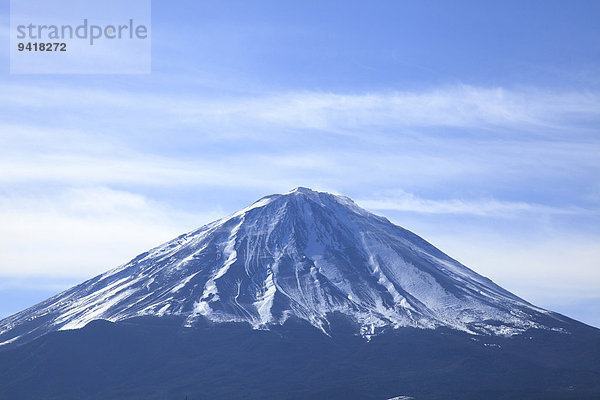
{"x": 42, "y": 46}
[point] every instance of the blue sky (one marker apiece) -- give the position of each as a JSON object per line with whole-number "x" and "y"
{"x": 473, "y": 124}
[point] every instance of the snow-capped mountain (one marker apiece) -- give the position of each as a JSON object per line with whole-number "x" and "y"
{"x": 303, "y": 254}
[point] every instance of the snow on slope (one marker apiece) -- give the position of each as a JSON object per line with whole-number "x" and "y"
{"x": 305, "y": 254}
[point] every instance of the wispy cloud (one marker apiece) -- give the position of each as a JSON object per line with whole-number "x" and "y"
{"x": 461, "y": 106}
{"x": 55, "y": 285}
{"x": 567, "y": 263}
{"x": 403, "y": 201}
{"x": 243, "y": 171}
{"x": 79, "y": 232}
{"x": 457, "y": 106}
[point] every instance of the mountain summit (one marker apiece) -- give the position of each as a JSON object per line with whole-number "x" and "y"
{"x": 304, "y": 255}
